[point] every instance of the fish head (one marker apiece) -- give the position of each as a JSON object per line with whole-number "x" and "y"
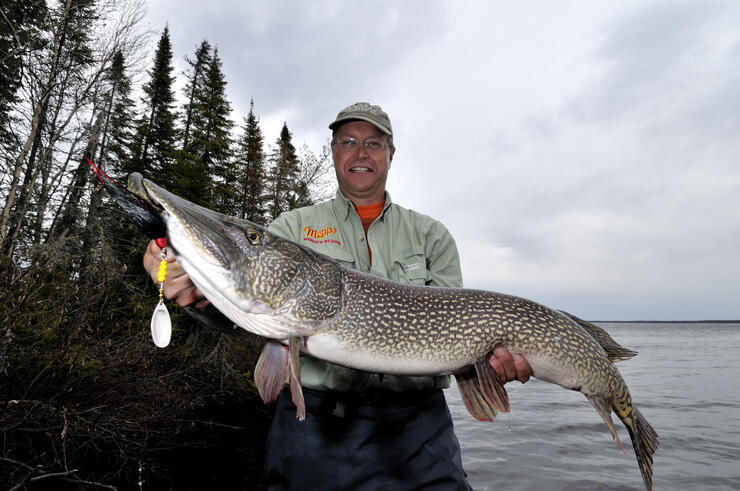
{"x": 243, "y": 269}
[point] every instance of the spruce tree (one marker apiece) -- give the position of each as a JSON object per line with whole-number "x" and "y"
{"x": 250, "y": 168}
{"x": 194, "y": 86}
{"x": 216, "y": 140}
{"x": 118, "y": 133}
{"x": 204, "y": 173}
{"x": 283, "y": 173}
{"x": 156, "y": 131}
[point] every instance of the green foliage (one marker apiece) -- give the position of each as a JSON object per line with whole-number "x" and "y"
{"x": 156, "y": 132}
{"x": 115, "y": 147}
{"x": 204, "y": 173}
{"x": 284, "y": 173}
{"x": 195, "y": 86}
{"x": 249, "y": 165}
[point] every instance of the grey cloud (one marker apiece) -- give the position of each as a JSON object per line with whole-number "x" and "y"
{"x": 310, "y": 58}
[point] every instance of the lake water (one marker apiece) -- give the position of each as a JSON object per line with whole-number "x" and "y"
{"x": 685, "y": 381}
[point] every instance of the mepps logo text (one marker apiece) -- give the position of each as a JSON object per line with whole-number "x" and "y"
{"x": 319, "y": 236}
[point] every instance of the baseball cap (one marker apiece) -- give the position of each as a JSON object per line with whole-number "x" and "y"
{"x": 364, "y": 111}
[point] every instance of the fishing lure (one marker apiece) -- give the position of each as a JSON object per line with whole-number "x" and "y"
{"x": 161, "y": 325}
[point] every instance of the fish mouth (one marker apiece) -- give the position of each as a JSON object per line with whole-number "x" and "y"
{"x": 145, "y": 213}
{"x": 188, "y": 227}
{"x": 140, "y": 188}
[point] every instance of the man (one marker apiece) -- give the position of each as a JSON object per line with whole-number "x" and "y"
{"x": 364, "y": 430}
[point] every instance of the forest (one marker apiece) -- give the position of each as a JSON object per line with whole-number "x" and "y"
{"x": 86, "y": 399}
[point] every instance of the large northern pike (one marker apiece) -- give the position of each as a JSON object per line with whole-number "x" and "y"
{"x": 307, "y": 301}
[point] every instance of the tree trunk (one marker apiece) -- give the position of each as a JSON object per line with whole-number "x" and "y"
{"x": 36, "y": 120}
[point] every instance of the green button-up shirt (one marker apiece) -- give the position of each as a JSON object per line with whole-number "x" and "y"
{"x": 406, "y": 246}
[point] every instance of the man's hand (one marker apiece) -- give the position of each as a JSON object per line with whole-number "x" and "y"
{"x": 509, "y": 367}
{"x": 177, "y": 285}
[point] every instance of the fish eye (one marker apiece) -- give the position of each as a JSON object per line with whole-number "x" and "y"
{"x": 253, "y": 236}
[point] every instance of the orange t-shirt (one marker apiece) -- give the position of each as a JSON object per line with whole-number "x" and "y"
{"x": 368, "y": 214}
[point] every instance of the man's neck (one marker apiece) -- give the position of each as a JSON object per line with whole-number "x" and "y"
{"x": 368, "y": 200}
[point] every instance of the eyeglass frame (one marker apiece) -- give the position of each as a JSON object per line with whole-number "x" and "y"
{"x": 340, "y": 143}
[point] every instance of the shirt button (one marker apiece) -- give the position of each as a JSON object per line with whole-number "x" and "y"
{"x": 361, "y": 238}
{"x": 366, "y": 267}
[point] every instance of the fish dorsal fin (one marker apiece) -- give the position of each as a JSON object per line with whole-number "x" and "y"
{"x": 472, "y": 395}
{"x": 614, "y": 350}
{"x": 271, "y": 371}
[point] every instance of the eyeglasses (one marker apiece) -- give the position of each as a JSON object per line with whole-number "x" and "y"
{"x": 372, "y": 145}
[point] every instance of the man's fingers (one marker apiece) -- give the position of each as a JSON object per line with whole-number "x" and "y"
{"x": 507, "y": 362}
{"x": 523, "y": 370}
{"x": 177, "y": 284}
{"x": 497, "y": 367}
{"x": 509, "y": 367}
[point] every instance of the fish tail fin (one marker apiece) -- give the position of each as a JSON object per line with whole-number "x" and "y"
{"x": 644, "y": 440}
{"x": 644, "y": 437}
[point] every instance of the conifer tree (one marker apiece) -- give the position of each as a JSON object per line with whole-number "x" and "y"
{"x": 213, "y": 137}
{"x": 204, "y": 173}
{"x": 118, "y": 132}
{"x": 283, "y": 173}
{"x": 156, "y": 131}
{"x": 194, "y": 86}
{"x": 250, "y": 167}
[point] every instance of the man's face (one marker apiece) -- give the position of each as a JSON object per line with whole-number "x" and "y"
{"x": 361, "y": 175}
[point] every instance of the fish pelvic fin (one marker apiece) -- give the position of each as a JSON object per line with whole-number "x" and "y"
{"x": 271, "y": 371}
{"x": 472, "y": 395}
{"x": 604, "y": 410}
{"x": 275, "y": 364}
{"x": 491, "y": 386}
{"x": 296, "y": 390}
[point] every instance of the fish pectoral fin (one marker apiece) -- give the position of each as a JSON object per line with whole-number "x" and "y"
{"x": 296, "y": 391}
{"x": 472, "y": 395}
{"x": 271, "y": 371}
{"x": 491, "y": 386}
{"x": 604, "y": 411}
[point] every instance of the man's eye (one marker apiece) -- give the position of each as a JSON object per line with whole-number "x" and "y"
{"x": 348, "y": 142}
{"x": 372, "y": 145}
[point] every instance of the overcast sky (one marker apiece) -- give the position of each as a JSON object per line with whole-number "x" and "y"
{"x": 584, "y": 154}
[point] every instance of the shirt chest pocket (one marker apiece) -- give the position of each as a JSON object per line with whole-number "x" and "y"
{"x": 411, "y": 267}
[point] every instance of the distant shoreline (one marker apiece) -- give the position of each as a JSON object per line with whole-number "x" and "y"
{"x": 674, "y": 322}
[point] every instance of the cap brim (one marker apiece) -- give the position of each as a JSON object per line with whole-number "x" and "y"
{"x": 347, "y": 119}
